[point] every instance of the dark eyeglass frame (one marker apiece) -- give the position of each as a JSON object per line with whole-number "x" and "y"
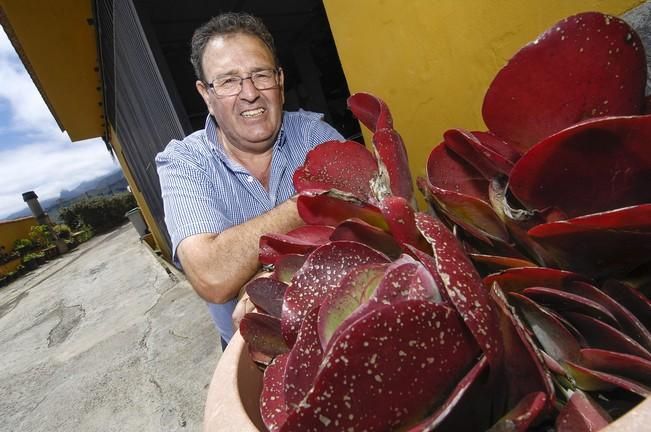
{"x": 276, "y": 72}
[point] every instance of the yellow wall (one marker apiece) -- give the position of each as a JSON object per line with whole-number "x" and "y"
{"x": 432, "y": 61}
{"x": 12, "y": 230}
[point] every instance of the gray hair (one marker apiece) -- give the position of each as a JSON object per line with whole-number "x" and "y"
{"x": 227, "y": 23}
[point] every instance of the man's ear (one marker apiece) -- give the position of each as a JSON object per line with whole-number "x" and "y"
{"x": 204, "y": 91}
{"x": 281, "y": 84}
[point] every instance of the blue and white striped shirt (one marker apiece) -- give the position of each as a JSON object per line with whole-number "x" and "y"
{"x": 206, "y": 192}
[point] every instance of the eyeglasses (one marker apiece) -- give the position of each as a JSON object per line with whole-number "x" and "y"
{"x": 230, "y": 85}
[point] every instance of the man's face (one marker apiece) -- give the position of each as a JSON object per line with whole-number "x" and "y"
{"x": 251, "y": 119}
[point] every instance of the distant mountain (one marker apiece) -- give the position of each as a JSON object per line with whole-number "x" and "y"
{"x": 105, "y": 185}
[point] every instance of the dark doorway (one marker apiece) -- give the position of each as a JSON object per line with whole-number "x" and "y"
{"x": 313, "y": 75}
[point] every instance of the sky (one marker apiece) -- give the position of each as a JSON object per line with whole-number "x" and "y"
{"x": 34, "y": 153}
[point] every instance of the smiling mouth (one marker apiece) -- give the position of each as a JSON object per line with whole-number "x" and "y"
{"x": 253, "y": 113}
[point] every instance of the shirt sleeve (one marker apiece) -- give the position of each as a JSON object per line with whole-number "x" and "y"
{"x": 190, "y": 203}
{"x": 320, "y": 132}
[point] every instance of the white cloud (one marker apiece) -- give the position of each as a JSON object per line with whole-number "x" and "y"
{"x": 34, "y": 153}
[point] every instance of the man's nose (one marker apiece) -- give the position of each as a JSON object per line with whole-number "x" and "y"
{"x": 249, "y": 91}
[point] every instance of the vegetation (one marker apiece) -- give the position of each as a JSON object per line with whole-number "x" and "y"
{"x": 100, "y": 213}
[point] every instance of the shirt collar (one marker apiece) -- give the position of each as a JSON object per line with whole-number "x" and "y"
{"x": 217, "y": 147}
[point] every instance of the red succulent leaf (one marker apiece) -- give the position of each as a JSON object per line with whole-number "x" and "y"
{"x": 581, "y": 413}
{"x": 584, "y": 66}
{"x": 562, "y": 301}
{"x": 300, "y": 241}
{"x": 399, "y": 215}
{"x": 492, "y": 142}
{"x": 347, "y": 301}
{"x": 447, "y": 170}
{"x": 628, "y": 322}
{"x": 601, "y": 335}
{"x": 484, "y": 159}
{"x": 267, "y": 294}
{"x": 332, "y": 207}
{"x": 263, "y": 334}
{"x": 273, "y": 407}
{"x": 361, "y": 232}
{"x": 463, "y": 399}
{"x": 625, "y": 365}
{"x": 343, "y": 165}
{"x": 524, "y": 367}
{"x": 551, "y": 334}
{"x": 474, "y": 215}
{"x": 419, "y": 361}
{"x": 319, "y": 276}
{"x": 392, "y": 157}
{"x": 405, "y": 279}
{"x": 631, "y": 299}
{"x": 430, "y": 264}
{"x": 591, "y": 380}
{"x": 304, "y": 360}
{"x": 604, "y": 243}
{"x": 517, "y": 279}
{"x": 286, "y": 266}
{"x": 371, "y": 111}
{"x": 492, "y": 263}
{"x": 523, "y": 415}
{"x": 592, "y": 167}
{"x": 462, "y": 285}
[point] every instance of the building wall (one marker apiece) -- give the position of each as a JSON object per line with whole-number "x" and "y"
{"x": 432, "y": 61}
{"x": 10, "y": 231}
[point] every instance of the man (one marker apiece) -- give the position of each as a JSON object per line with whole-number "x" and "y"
{"x": 226, "y": 185}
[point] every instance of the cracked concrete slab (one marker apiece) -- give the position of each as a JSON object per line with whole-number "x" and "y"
{"x": 104, "y": 338}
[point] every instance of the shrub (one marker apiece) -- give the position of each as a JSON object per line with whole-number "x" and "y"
{"x": 23, "y": 246}
{"x": 41, "y": 236}
{"x": 62, "y": 231}
{"x": 100, "y": 213}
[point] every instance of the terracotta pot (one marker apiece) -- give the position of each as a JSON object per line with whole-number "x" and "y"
{"x": 232, "y": 403}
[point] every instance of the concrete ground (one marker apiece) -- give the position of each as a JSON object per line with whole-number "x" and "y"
{"x": 104, "y": 339}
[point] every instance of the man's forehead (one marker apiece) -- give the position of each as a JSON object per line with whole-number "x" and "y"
{"x": 233, "y": 52}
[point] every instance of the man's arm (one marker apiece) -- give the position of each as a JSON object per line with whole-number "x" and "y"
{"x": 217, "y": 265}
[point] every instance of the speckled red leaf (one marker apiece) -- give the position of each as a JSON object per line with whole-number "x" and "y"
{"x": 474, "y": 215}
{"x": 601, "y": 335}
{"x": 405, "y": 279}
{"x": 331, "y": 208}
{"x": 463, "y": 399}
{"x": 286, "y": 266}
{"x": 463, "y": 286}
{"x": 491, "y": 263}
{"x": 359, "y": 231}
{"x": 554, "y": 338}
{"x": 484, "y": 159}
{"x": 301, "y": 240}
{"x": 628, "y": 322}
{"x": 584, "y": 66}
{"x": 562, "y": 301}
{"x": 523, "y": 415}
{"x": 267, "y": 294}
{"x": 600, "y": 244}
{"x": 343, "y": 165}
{"x": 399, "y": 215}
{"x": 626, "y": 365}
{"x": 591, "y": 380}
{"x": 430, "y": 264}
{"x": 319, "y": 276}
{"x": 419, "y": 361}
{"x": 631, "y": 299}
{"x": 273, "y": 407}
{"x": 517, "y": 279}
{"x": 263, "y": 334}
{"x": 348, "y": 299}
{"x": 370, "y": 110}
{"x": 592, "y": 167}
{"x": 392, "y": 156}
{"x": 524, "y": 368}
{"x": 304, "y": 360}
{"x": 447, "y": 170}
{"x": 581, "y": 413}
